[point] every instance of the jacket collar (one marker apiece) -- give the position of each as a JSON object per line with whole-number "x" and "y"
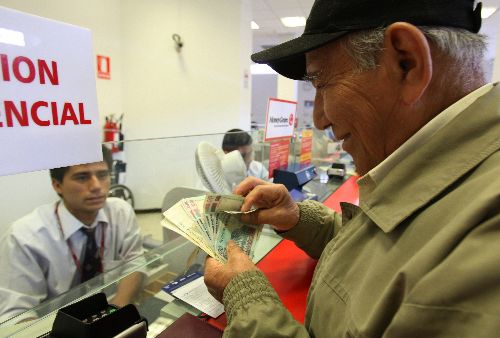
{"x": 453, "y": 151}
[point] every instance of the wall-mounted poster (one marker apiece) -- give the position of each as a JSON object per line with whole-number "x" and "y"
{"x": 306, "y": 146}
{"x": 280, "y": 119}
{"x": 278, "y": 155}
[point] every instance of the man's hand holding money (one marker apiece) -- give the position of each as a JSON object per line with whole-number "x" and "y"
{"x": 218, "y": 275}
{"x": 275, "y": 207}
{"x": 274, "y": 204}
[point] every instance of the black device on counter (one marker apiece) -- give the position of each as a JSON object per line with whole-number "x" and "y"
{"x": 295, "y": 176}
{"x": 93, "y": 317}
{"x": 337, "y": 170}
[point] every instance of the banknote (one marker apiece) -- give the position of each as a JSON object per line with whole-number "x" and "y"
{"x": 179, "y": 221}
{"x": 194, "y": 207}
{"x": 209, "y": 208}
{"x": 169, "y": 225}
{"x": 210, "y": 221}
{"x": 225, "y": 202}
{"x": 244, "y": 235}
{"x": 214, "y": 206}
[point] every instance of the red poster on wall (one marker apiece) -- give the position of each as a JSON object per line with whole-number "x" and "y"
{"x": 306, "y": 146}
{"x": 103, "y": 67}
{"x": 278, "y": 155}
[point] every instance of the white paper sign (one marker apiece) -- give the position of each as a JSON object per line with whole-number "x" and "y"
{"x": 280, "y": 119}
{"x": 192, "y": 290}
{"x": 48, "y": 102}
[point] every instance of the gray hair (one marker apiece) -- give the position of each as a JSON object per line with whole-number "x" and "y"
{"x": 465, "y": 48}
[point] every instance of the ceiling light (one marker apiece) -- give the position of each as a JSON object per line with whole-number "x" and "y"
{"x": 293, "y": 21}
{"x": 487, "y": 11}
{"x": 254, "y": 25}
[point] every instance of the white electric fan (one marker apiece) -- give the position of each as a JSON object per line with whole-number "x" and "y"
{"x": 219, "y": 172}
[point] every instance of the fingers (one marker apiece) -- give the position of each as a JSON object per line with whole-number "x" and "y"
{"x": 235, "y": 256}
{"x": 265, "y": 196}
{"x": 214, "y": 277}
{"x": 281, "y": 220}
{"x": 247, "y": 185}
{"x": 257, "y": 197}
{"x": 261, "y": 216}
{"x": 237, "y": 260}
{"x": 275, "y": 207}
{"x": 211, "y": 264}
{"x": 218, "y": 275}
{"x": 233, "y": 250}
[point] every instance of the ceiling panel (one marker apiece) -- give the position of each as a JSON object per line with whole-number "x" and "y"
{"x": 263, "y": 15}
{"x": 291, "y": 11}
{"x": 267, "y": 23}
{"x": 279, "y": 4}
{"x": 267, "y": 14}
{"x": 259, "y": 5}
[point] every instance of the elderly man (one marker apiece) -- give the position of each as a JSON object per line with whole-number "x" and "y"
{"x": 401, "y": 83}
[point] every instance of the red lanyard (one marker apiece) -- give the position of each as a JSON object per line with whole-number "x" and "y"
{"x": 70, "y": 247}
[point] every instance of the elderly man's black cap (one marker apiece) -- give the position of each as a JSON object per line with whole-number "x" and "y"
{"x": 331, "y": 19}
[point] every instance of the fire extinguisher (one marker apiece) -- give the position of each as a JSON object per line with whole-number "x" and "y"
{"x": 112, "y": 133}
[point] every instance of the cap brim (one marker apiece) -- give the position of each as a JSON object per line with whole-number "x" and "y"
{"x": 288, "y": 58}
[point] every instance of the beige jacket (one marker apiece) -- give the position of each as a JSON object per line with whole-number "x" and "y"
{"x": 420, "y": 257}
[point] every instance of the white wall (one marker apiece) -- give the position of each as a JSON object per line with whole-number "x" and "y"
{"x": 305, "y": 98}
{"x": 264, "y": 86}
{"x": 287, "y": 89}
{"x": 490, "y": 28}
{"x": 245, "y": 41}
{"x": 161, "y": 92}
{"x": 20, "y": 194}
{"x": 198, "y": 90}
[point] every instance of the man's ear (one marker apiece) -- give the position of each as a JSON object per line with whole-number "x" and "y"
{"x": 408, "y": 55}
{"x": 57, "y": 186}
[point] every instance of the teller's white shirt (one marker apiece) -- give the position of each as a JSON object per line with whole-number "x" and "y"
{"x": 257, "y": 169}
{"x": 36, "y": 262}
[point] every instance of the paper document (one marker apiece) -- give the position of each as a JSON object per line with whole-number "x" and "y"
{"x": 192, "y": 290}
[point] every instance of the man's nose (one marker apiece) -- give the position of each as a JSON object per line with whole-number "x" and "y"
{"x": 95, "y": 183}
{"x": 319, "y": 117}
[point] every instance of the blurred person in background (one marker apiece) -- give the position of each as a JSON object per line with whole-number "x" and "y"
{"x": 237, "y": 139}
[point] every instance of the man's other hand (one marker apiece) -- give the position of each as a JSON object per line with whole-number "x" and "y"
{"x": 218, "y": 275}
{"x": 273, "y": 201}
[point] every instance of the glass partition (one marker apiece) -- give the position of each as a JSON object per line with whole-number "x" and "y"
{"x": 151, "y": 175}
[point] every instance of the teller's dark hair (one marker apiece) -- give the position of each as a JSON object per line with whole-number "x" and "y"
{"x": 58, "y": 173}
{"x": 235, "y": 138}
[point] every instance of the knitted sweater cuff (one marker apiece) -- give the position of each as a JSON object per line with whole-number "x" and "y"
{"x": 311, "y": 214}
{"x": 246, "y": 288}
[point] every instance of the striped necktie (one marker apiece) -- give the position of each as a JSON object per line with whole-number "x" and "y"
{"x": 91, "y": 265}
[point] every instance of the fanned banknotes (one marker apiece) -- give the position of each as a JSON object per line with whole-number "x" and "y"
{"x": 203, "y": 221}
